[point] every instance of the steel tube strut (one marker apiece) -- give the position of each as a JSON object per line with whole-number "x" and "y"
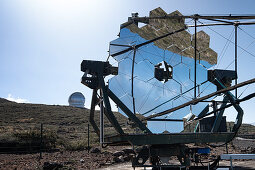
{"x": 196, "y": 16}
{"x": 128, "y": 112}
{"x": 195, "y": 62}
{"x": 166, "y": 120}
{"x": 218, "y": 24}
{"x": 236, "y": 26}
{"x": 101, "y": 118}
{"x": 92, "y": 112}
{"x": 147, "y": 42}
{"x": 227, "y": 106}
{"x": 203, "y": 112}
{"x": 109, "y": 114}
{"x": 132, "y": 79}
{"x": 218, "y": 119}
{"x": 233, "y": 99}
{"x": 201, "y": 98}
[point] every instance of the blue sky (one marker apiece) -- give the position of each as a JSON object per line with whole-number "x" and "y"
{"x": 42, "y": 43}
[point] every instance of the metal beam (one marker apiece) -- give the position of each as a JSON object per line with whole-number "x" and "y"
{"x": 196, "y": 16}
{"x": 195, "y": 62}
{"x": 101, "y": 104}
{"x": 233, "y": 99}
{"x": 218, "y": 119}
{"x": 174, "y": 98}
{"x": 218, "y": 20}
{"x": 203, "y": 112}
{"x": 172, "y": 138}
{"x": 206, "y": 25}
{"x": 237, "y": 156}
{"x": 227, "y": 106}
{"x": 201, "y": 99}
{"x": 236, "y": 26}
{"x": 224, "y": 24}
{"x": 166, "y": 120}
{"x": 128, "y": 112}
{"x": 109, "y": 114}
{"x": 132, "y": 79}
{"x": 147, "y": 42}
{"x": 92, "y": 112}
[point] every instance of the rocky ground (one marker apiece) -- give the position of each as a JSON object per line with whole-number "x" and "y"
{"x": 69, "y": 131}
{"x": 66, "y": 159}
{"x": 110, "y": 158}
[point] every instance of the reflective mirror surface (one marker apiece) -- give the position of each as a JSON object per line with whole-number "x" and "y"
{"x": 136, "y": 85}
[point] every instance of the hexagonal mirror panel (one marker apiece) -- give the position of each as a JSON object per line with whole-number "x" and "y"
{"x": 156, "y": 76}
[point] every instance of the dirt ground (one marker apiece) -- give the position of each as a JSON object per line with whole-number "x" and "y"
{"x": 104, "y": 159}
{"x": 69, "y": 160}
{"x": 71, "y": 124}
{"x": 60, "y": 159}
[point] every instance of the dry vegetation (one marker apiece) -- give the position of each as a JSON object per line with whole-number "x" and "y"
{"x": 243, "y": 130}
{"x": 63, "y": 126}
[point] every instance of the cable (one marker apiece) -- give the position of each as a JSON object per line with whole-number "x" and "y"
{"x": 244, "y": 91}
{"x": 174, "y": 98}
{"x": 247, "y": 33}
{"x": 144, "y": 59}
{"x": 141, "y": 49}
{"x": 146, "y": 98}
{"x": 122, "y": 89}
{"x": 231, "y": 41}
{"x": 146, "y": 82}
{"x": 223, "y": 52}
{"x": 249, "y": 36}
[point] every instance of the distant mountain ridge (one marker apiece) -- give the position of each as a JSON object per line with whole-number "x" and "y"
{"x": 68, "y": 122}
{"x": 2, "y": 100}
{"x": 63, "y": 119}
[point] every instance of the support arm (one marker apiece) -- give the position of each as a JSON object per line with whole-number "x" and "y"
{"x": 218, "y": 119}
{"x": 128, "y": 112}
{"x": 92, "y": 111}
{"x": 109, "y": 114}
{"x": 232, "y": 99}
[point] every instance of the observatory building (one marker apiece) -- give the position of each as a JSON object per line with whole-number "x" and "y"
{"x": 76, "y": 99}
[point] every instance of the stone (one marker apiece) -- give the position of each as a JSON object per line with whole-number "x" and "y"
{"x": 121, "y": 158}
{"x": 116, "y": 159}
{"x": 106, "y": 152}
{"x": 128, "y": 151}
{"x": 108, "y": 163}
{"x": 118, "y": 153}
{"x": 127, "y": 158}
{"x": 95, "y": 150}
{"x": 52, "y": 166}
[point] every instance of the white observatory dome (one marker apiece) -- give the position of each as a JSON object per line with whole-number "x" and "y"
{"x": 76, "y": 99}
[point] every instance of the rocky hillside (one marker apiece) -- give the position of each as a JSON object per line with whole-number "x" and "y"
{"x": 68, "y": 123}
